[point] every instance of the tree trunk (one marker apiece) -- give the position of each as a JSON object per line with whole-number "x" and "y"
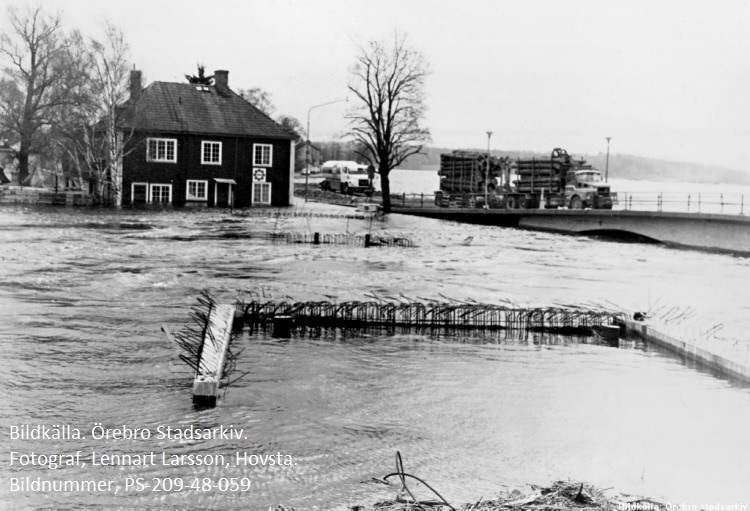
{"x": 115, "y": 171}
{"x": 27, "y": 129}
{"x": 385, "y": 186}
{"x": 23, "y": 165}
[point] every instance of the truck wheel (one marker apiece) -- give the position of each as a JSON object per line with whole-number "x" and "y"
{"x": 344, "y": 188}
{"x": 511, "y": 202}
{"x": 576, "y": 202}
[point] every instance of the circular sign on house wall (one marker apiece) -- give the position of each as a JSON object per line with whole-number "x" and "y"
{"x": 259, "y": 175}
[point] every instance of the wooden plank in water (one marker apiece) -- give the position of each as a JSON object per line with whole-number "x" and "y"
{"x": 213, "y": 355}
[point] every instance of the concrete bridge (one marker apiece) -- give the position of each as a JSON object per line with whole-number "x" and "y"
{"x": 725, "y": 233}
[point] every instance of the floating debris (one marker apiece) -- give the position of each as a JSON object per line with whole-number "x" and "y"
{"x": 560, "y": 495}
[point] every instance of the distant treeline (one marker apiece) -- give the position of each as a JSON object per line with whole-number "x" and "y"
{"x": 626, "y": 166}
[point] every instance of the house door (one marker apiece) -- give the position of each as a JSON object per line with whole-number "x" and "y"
{"x": 223, "y": 192}
{"x": 139, "y": 193}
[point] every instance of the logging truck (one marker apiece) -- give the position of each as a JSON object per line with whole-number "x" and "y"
{"x": 470, "y": 179}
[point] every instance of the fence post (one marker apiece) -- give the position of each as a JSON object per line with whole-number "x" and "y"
{"x": 688, "y": 203}
{"x": 658, "y": 203}
{"x": 403, "y": 199}
{"x": 421, "y": 200}
{"x": 721, "y": 199}
{"x": 742, "y": 204}
{"x": 699, "y": 203}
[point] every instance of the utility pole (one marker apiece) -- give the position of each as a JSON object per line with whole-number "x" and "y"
{"x": 606, "y": 167}
{"x": 307, "y": 157}
{"x": 487, "y": 172}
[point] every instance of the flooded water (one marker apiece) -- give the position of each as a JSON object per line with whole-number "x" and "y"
{"x": 83, "y": 295}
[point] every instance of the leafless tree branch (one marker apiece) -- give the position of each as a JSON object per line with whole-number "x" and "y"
{"x": 388, "y": 84}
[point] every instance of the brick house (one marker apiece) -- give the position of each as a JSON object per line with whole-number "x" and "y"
{"x": 203, "y": 145}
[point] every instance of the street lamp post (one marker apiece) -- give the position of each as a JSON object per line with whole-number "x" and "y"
{"x": 487, "y": 173}
{"x": 307, "y": 157}
{"x": 606, "y": 166}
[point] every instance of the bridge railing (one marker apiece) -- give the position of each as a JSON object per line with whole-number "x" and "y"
{"x": 673, "y": 202}
{"x": 684, "y": 202}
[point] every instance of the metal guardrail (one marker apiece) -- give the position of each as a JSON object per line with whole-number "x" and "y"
{"x": 673, "y": 202}
{"x": 681, "y": 202}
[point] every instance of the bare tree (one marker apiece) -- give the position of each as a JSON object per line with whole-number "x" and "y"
{"x": 111, "y": 72}
{"x": 41, "y": 78}
{"x": 292, "y": 124}
{"x": 92, "y": 132}
{"x": 389, "y": 82}
{"x": 259, "y": 98}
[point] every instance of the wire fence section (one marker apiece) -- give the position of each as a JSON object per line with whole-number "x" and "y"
{"x": 418, "y": 314}
{"x": 297, "y": 212}
{"x": 357, "y": 240}
{"x": 675, "y": 202}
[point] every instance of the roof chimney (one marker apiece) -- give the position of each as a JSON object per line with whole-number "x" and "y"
{"x": 221, "y": 81}
{"x": 135, "y": 85}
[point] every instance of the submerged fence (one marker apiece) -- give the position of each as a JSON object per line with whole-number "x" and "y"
{"x": 313, "y": 238}
{"x": 295, "y": 212}
{"x": 357, "y": 240}
{"x": 428, "y": 315}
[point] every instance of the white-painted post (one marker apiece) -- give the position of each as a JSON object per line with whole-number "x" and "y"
{"x": 213, "y": 355}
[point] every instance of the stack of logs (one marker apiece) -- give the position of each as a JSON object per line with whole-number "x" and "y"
{"x": 534, "y": 174}
{"x": 464, "y": 172}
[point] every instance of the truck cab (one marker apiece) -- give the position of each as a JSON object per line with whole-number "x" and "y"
{"x": 585, "y": 188}
{"x": 346, "y": 177}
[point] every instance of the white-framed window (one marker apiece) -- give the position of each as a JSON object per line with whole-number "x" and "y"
{"x": 262, "y": 155}
{"x": 261, "y": 193}
{"x": 210, "y": 153}
{"x": 197, "y": 190}
{"x": 161, "y": 149}
{"x": 138, "y": 193}
{"x": 160, "y": 193}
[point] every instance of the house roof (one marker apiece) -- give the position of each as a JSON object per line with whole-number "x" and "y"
{"x": 188, "y": 108}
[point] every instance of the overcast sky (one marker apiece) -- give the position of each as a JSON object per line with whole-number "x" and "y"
{"x": 665, "y": 79}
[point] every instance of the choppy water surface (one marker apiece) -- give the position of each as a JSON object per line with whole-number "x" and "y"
{"x": 83, "y": 295}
